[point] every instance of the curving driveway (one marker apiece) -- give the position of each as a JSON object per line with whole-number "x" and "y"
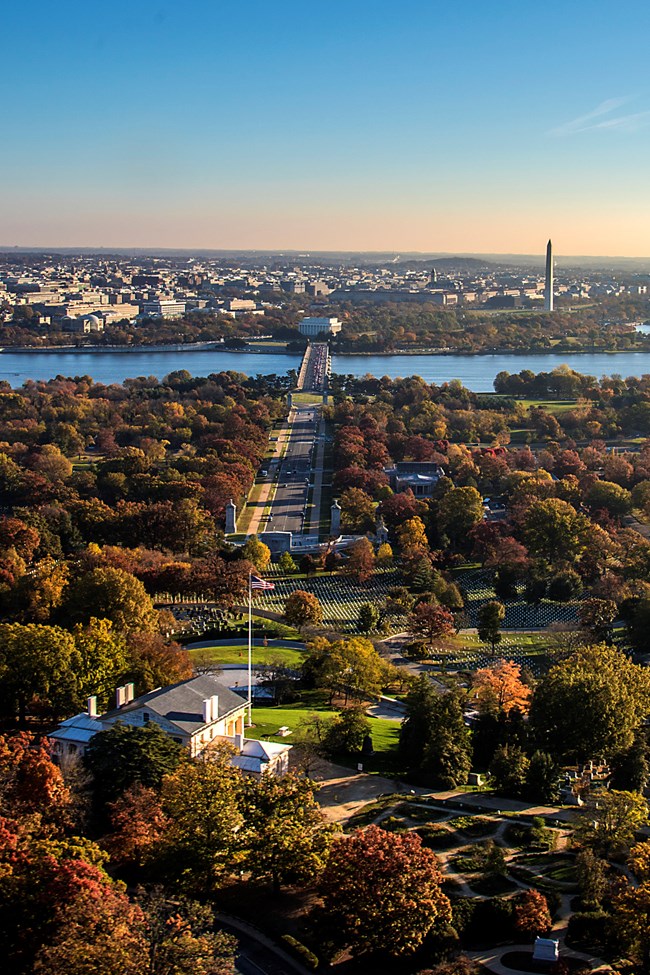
{"x": 243, "y": 641}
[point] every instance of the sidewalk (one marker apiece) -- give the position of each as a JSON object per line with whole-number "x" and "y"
{"x": 491, "y": 959}
{"x": 251, "y": 932}
{"x": 255, "y": 525}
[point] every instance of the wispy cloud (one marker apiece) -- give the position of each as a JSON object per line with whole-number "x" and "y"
{"x": 605, "y": 117}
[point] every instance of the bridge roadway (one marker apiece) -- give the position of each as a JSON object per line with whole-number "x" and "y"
{"x": 314, "y": 368}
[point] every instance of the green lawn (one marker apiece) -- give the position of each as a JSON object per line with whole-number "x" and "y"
{"x": 239, "y": 655}
{"x": 534, "y": 642}
{"x": 305, "y": 399}
{"x": 385, "y": 734}
{"x": 552, "y": 405}
{"x": 266, "y": 721}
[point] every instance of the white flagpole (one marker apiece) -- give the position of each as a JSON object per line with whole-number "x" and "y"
{"x": 250, "y": 649}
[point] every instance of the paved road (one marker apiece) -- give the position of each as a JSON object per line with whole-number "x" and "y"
{"x": 243, "y": 641}
{"x": 343, "y": 792}
{"x": 294, "y": 471}
{"x": 257, "y": 954}
{"x": 318, "y": 454}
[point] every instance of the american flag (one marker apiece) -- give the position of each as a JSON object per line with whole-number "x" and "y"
{"x": 257, "y": 583}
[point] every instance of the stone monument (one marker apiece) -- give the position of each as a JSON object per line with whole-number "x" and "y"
{"x": 335, "y": 519}
{"x": 381, "y": 532}
{"x": 231, "y": 518}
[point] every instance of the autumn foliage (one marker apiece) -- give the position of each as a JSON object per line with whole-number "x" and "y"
{"x": 382, "y": 893}
{"x": 532, "y": 916}
{"x": 500, "y": 689}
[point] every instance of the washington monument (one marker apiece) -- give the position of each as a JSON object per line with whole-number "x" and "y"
{"x": 548, "y": 288}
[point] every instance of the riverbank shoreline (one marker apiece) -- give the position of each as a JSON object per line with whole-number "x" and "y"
{"x": 443, "y": 353}
{"x": 218, "y": 346}
{"x": 475, "y": 372}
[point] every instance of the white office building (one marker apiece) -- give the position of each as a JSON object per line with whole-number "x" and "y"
{"x": 164, "y": 308}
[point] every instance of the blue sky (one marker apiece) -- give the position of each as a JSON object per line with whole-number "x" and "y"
{"x": 431, "y": 126}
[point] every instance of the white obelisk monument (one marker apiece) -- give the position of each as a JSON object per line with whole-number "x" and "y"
{"x": 548, "y": 288}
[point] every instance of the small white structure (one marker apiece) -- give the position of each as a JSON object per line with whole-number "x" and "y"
{"x": 231, "y": 518}
{"x": 546, "y": 949}
{"x": 256, "y": 757}
{"x": 381, "y": 532}
{"x": 335, "y": 519}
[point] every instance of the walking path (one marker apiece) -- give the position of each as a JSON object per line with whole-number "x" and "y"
{"x": 265, "y": 497}
{"x": 343, "y": 792}
{"x": 387, "y": 708}
{"x": 304, "y": 366}
{"x": 346, "y": 793}
{"x": 391, "y": 650}
{"x": 289, "y": 964}
{"x": 464, "y": 880}
{"x": 629, "y": 521}
{"x": 491, "y": 959}
{"x": 242, "y": 641}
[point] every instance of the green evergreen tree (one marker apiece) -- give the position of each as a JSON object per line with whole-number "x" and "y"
{"x": 490, "y": 617}
{"x": 420, "y": 576}
{"x": 508, "y": 770}
{"x": 123, "y": 755}
{"x": 542, "y": 779}
{"x": 347, "y": 732}
{"x": 630, "y": 767}
{"x": 286, "y": 563}
{"x": 434, "y": 738}
{"x": 415, "y": 730}
{"x": 368, "y": 617}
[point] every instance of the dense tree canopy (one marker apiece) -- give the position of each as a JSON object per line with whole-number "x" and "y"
{"x": 381, "y": 893}
{"x": 125, "y": 754}
{"x": 590, "y": 704}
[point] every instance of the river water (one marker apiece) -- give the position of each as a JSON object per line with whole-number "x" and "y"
{"x": 476, "y": 372}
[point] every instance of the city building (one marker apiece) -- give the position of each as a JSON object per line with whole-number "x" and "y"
{"x": 163, "y": 308}
{"x": 83, "y": 325}
{"x": 312, "y": 327}
{"x": 419, "y": 477}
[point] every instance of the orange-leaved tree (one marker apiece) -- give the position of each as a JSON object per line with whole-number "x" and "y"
{"x": 500, "y": 689}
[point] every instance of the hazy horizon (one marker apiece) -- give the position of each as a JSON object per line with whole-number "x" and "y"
{"x": 468, "y": 128}
{"x": 295, "y": 252}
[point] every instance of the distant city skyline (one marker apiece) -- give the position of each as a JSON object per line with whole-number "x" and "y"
{"x": 467, "y": 128}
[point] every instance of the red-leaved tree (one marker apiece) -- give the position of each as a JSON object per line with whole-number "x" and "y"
{"x": 382, "y": 893}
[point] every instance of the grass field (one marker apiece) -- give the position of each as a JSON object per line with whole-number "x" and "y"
{"x": 267, "y": 721}
{"x": 385, "y": 734}
{"x": 465, "y": 652}
{"x": 209, "y": 656}
{"x": 306, "y": 399}
{"x": 551, "y": 405}
{"x": 536, "y": 642}
{"x": 276, "y": 345}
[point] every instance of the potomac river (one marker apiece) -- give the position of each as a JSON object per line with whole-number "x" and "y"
{"x": 476, "y": 372}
